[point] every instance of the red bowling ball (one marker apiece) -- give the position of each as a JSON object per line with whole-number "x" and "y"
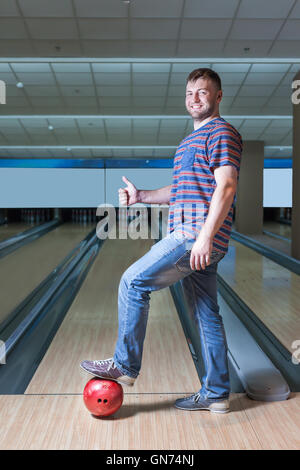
{"x": 102, "y": 397}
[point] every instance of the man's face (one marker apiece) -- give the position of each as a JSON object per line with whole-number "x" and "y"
{"x": 202, "y": 98}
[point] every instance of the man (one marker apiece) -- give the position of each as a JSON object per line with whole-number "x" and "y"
{"x": 205, "y": 175}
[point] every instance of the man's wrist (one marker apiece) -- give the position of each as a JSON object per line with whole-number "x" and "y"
{"x": 139, "y": 196}
{"x": 206, "y": 234}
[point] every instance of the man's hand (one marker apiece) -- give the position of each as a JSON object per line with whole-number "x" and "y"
{"x": 128, "y": 195}
{"x": 201, "y": 251}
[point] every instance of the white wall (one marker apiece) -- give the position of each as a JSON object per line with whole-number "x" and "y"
{"x": 51, "y": 187}
{"x": 82, "y": 187}
{"x": 278, "y": 187}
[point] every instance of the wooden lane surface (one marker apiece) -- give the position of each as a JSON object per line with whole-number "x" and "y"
{"x": 22, "y": 270}
{"x": 283, "y": 230}
{"x": 146, "y": 421}
{"x": 270, "y": 290}
{"x": 284, "y": 246}
{"x": 8, "y": 230}
{"x": 89, "y": 331}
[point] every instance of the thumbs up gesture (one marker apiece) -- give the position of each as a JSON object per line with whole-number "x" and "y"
{"x": 128, "y": 195}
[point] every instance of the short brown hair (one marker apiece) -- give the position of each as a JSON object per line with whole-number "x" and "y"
{"x": 205, "y": 73}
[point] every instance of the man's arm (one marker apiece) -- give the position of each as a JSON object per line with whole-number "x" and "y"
{"x": 155, "y": 196}
{"x": 131, "y": 195}
{"x": 226, "y": 179}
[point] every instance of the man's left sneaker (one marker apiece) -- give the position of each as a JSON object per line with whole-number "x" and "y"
{"x": 107, "y": 369}
{"x": 197, "y": 402}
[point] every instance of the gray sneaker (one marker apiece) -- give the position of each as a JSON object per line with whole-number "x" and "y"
{"x": 106, "y": 369}
{"x": 197, "y": 402}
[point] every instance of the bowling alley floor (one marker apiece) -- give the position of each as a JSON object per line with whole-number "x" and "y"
{"x": 51, "y": 413}
{"x": 146, "y": 421}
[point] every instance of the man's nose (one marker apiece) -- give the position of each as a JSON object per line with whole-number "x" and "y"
{"x": 196, "y": 97}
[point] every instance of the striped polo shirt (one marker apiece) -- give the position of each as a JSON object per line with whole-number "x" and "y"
{"x": 215, "y": 144}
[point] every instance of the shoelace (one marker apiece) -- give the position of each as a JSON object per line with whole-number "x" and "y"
{"x": 109, "y": 362}
{"x": 197, "y": 397}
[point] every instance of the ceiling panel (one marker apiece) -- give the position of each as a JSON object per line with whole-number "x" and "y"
{"x": 55, "y": 8}
{"x": 103, "y": 28}
{"x": 73, "y": 67}
{"x": 265, "y": 9}
{"x": 156, "y": 8}
{"x": 258, "y": 90}
{"x": 151, "y": 67}
{"x": 38, "y": 78}
{"x": 205, "y": 29}
{"x": 154, "y": 29}
{"x": 263, "y": 78}
{"x": 48, "y": 48}
{"x": 74, "y": 78}
{"x": 101, "y": 8}
{"x": 211, "y": 9}
{"x": 112, "y": 79}
{"x": 78, "y": 91}
{"x": 111, "y": 68}
{"x": 113, "y": 91}
{"x": 30, "y": 67}
{"x": 156, "y": 90}
{"x": 296, "y": 10}
{"x": 291, "y": 30}
{"x": 40, "y": 28}
{"x": 8, "y": 8}
{"x": 152, "y": 48}
{"x": 255, "y": 29}
{"x": 12, "y": 28}
{"x": 247, "y": 47}
{"x": 221, "y": 67}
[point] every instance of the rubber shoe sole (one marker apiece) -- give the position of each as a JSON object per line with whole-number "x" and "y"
{"x": 122, "y": 380}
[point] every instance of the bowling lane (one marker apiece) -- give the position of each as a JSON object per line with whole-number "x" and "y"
{"x": 9, "y": 230}
{"x": 22, "y": 270}
{"x": 284, "y": 246}
{"x": 270, "y": 290}
{"x": 89, "y": 331}
{"x": 282, "y": 230}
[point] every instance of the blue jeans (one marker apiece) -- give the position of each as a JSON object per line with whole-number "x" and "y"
{"x": 166, "y": 263}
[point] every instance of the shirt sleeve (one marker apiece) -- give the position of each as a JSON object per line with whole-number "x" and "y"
{"x": 224, "y": 148}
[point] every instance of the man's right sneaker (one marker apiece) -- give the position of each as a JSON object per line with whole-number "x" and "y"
{"x": 107, "y": 369}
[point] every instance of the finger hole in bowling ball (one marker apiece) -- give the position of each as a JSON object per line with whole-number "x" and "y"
{"x": 99, "y": 400}
{"x": 105, "y": 401}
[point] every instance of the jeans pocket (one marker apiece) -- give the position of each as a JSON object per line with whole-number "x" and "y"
{"x": 183, "y": 263}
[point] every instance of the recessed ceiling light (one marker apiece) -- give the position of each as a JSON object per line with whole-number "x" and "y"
{"x": 50, "y": 127}
{"x": 20, "y": 85}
